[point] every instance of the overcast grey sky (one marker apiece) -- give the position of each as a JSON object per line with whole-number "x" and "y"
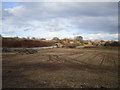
{"x": 92, "y": 20}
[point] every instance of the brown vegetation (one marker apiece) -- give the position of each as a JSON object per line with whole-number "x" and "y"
{"x": 27, "y": 51}
{"x": 67, "y": 43}
{"x": 12, "y": 42}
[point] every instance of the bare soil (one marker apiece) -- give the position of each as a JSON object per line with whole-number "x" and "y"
{"x": 61, "y": 68}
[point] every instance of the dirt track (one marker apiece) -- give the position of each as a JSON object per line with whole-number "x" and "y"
{"x": 61, "y": 68}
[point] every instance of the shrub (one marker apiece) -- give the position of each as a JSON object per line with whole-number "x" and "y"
{"x": 89, "y": 47}
{"x": 27, "y": 51}
{"x": 113, "y": 43}
{"x": 68, "y": 45}
{"x": 80, "y": 47}
{"x": 5, "y": 50}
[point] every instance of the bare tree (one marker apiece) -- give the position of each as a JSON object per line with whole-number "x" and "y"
{"x": 33, "y": 38}
{"x": 56, "y": 39}
{"x": 79, "y": 39}
{"x": 42, "y": 39}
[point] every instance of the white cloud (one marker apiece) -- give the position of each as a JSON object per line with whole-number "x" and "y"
{"x": 54, "y": 17}
{"x": 49, "y": 35}
{"x": 102, "y": 37}
{"x": 61, "y": 0}
{"x": 8, "y": 31}
{"x": 16, "y": 11}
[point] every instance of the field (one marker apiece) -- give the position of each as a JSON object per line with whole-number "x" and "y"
{"x": 61, "y": 68}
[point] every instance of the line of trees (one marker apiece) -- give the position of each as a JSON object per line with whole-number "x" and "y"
{"x": 78, "y": 40}
{"x": 112, "y": 43}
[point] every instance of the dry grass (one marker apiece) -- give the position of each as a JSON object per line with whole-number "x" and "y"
{"x": 12, "y": 42}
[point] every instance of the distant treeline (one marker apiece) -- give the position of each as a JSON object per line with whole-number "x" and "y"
{"x": 26, "y": 43}
{"x": 66, "y": 42}
{"x": 112, "y": 43}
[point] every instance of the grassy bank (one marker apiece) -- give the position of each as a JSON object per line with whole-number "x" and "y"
{"x": 26, "y": 43}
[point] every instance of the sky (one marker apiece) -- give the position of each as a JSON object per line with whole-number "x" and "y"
{"x": 91, "y": 20}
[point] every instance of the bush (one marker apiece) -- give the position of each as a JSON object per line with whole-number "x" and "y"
{"x": 80, "y": 47}
{"x": 27, "y": 51}
{"x": 89, "y": 47}
{"x": 74, "y": 45}
{"x": 114, "y": 43}
{"x": 6, "y": 50}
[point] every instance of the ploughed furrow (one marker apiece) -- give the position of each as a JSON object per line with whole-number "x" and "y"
{"x": 109, "y": 59}
{"x": 84, "y": 57}
{"x": 114, "y": 60}
{"x": 89, "y": 58}
{"x": 102, "y": 60}
{"x": 92, "y": 59}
